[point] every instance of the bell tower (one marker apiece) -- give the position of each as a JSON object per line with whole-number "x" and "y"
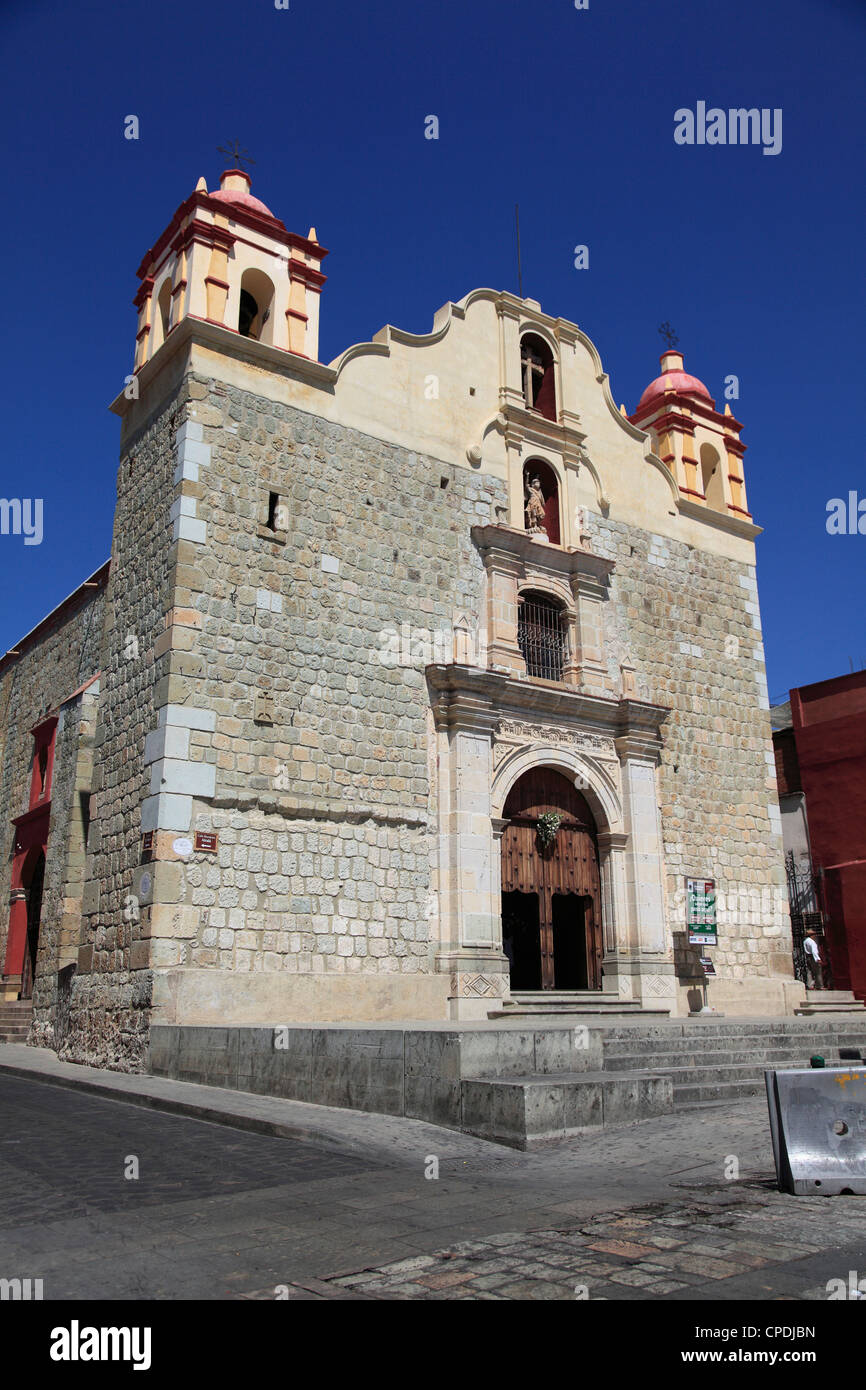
{"x": 700, "y": 446}
{"x": 226, "y": 259}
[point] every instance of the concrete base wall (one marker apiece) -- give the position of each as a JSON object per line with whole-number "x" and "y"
{"x": 218, "y": 997}
{"x": 419, "y": 1073}
{"x": 189, "y": 996}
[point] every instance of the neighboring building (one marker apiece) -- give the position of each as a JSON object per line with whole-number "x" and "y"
{"x": 366, "y": 625}
{"x": 820, "y": 745}
{"x": 49, "y": 687}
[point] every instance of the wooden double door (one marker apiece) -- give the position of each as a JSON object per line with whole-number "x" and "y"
{"x": 551, "y": 910}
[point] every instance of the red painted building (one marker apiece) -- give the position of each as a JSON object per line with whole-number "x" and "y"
{"x": 823, "y": 754}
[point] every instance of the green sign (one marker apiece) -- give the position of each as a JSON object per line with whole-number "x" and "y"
{"x": 701, "y": 911}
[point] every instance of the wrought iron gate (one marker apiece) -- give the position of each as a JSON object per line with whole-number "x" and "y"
{"x": 804, "y": 899}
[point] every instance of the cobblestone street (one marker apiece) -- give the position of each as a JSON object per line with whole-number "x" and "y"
{"x": 743, "y": 1243}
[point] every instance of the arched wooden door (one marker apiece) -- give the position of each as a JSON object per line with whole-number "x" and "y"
{"x": 551, "y": 908}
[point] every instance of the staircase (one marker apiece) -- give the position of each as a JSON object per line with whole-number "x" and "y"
{"x": 830, "y": 1001}
{"x": 15, "y": 1016}
{"x": 527, "y": 1085}
{"x": 546, "y": 1003}
{"x": 717, "y": 1062}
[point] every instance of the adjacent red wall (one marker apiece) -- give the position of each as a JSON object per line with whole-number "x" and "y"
{"x": 830, "y": 731}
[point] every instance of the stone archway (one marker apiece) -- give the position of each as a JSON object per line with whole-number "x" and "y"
{"x": 551, "y": 901}
{"x": 597, "y": 785}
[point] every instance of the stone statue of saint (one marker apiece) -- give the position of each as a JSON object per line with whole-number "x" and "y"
{"x": 534, "y": 508}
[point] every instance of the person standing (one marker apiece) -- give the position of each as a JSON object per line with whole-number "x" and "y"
{"x": 814, "y": 963}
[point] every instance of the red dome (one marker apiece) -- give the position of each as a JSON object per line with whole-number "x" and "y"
{"x": 673, "y": 379}
{"x": 242, "y": 200}
{"x": 241, "y": 197}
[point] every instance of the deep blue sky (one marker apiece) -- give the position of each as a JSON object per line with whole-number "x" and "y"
{"x": 756, "y": 260}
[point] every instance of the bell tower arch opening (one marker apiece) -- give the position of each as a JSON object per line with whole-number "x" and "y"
{"x": 255, "y": 313}
{"x": 162, "y": 315}
{"x": 711, "y": 477}
{"x": 538, "y": 374}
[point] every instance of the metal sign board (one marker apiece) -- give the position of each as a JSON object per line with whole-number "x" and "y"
{"x": 709, "y": 968}
{"x": 818, "y": 1128}
{"x": 701, "y": 911}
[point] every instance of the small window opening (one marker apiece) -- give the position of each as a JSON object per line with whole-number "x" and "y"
{"x": 273, "y": 503}
{"x": 42, "y": 766}
{"x": 541, "y": 636}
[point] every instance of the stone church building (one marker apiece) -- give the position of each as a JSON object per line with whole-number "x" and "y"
{"x": 415, "y": 688}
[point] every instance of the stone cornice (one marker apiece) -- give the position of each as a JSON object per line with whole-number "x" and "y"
{"x": 216, "y": 336}
{"x": 503, "y": 544}
{"x": 535, "y": 428}
{"x": 473, "y": 698}
{"x": 723, "y": 521}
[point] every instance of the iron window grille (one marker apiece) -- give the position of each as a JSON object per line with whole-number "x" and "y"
{"x": 541, "y": 637}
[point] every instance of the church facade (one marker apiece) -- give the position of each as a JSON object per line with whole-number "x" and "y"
{"x": 417, "y": 686}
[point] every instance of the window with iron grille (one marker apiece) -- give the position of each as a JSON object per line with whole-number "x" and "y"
{"x": 541, "y": 636}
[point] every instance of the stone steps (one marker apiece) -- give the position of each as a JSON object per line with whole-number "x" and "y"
{"x": 830, "y": 1001}
{"x": 721, "y": 1056}
{"x": 15, "y": 1019}
{"x": 704, "y": 1073}
{"x": 522, "y": 1111}
{"x": 717, "y": 1092}
{"x": 547, "y": 1003}
{"x": 725, "y": 1061}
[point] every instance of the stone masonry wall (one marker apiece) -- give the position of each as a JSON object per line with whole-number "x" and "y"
{"x": 326, "y": 816}
{"x": 325, "y": 804}
{"x": 112, "y": 988}
{"x": 46, "y": 673}
{"x": 65, "y": 870}
{"x": 690, "y": 622}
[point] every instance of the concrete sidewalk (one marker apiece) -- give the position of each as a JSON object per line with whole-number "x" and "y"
{"x": 385, "y": 1138}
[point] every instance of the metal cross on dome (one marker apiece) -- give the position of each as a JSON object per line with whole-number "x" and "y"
{"x": 237, "y": 153}
{"x": 668, "y": 334}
